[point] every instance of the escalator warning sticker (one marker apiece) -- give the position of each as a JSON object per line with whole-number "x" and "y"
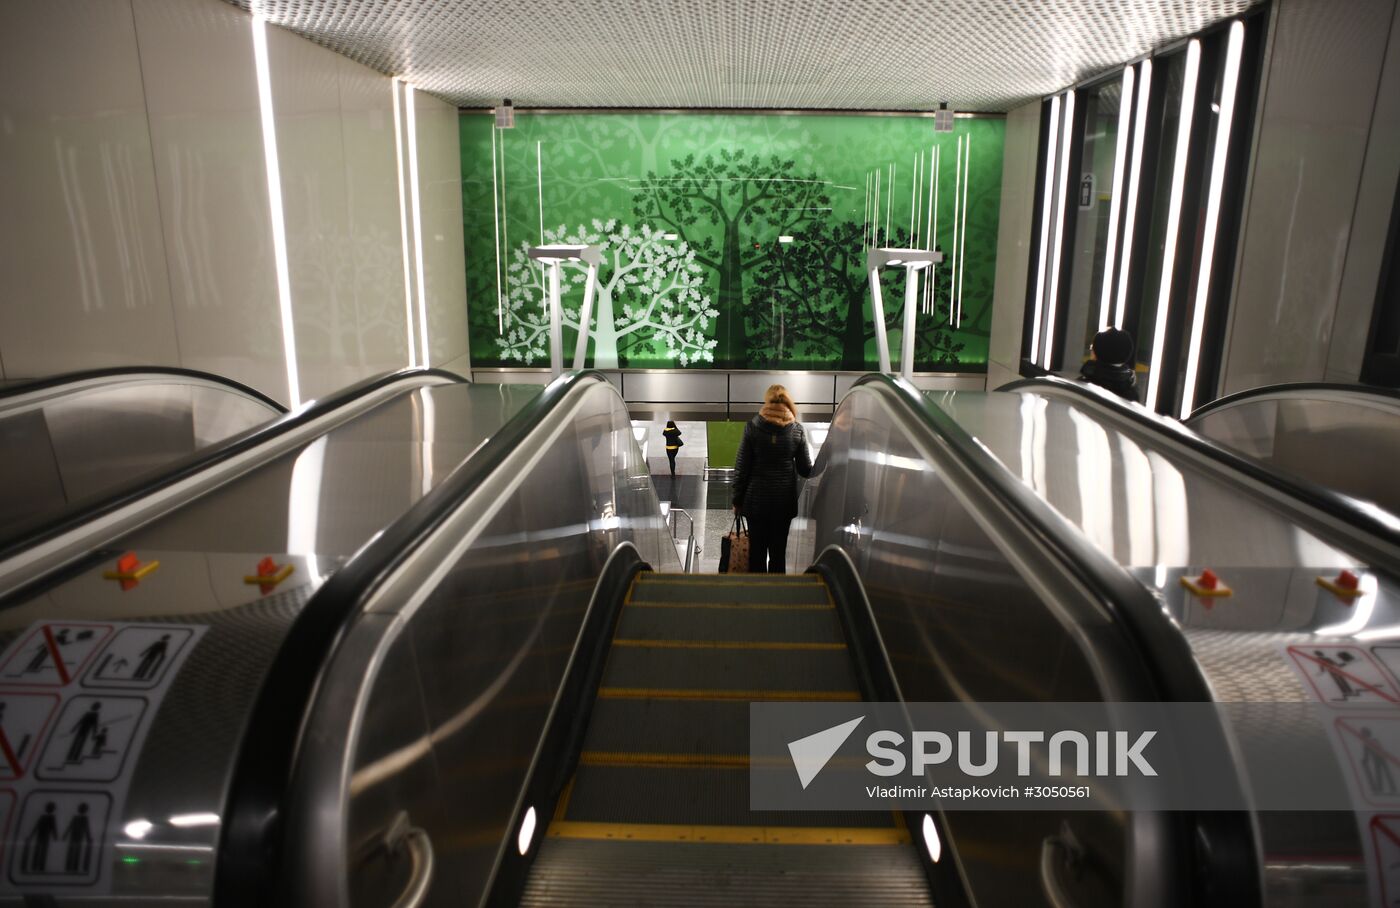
{"x": 59, "y": 838}
{"x": 24, "y": 719}
{"x": 77, "y": 703}
{"x": 138, "y": 657}
{"x": 52, "y": 654}
{"x": 1384, "y": 829}
{"x": 93, "y": 738}
{"x": 1343, "y": 676}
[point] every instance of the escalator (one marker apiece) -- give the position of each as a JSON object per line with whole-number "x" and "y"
{"x": 173, "y": 436}
{"x": 657, "y": 809}
{"x": 1341, "y": 437}
{"x": 74, "y": 436}
{"x": 1366, "y": 533}
{"x": 484, "y": 679}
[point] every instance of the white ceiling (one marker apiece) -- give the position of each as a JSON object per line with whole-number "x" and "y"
{"x": 980, "y": 55}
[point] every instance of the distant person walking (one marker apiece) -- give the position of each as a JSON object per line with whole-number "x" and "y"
{"x": 673, "y": 443}
{"x": 772, "y": 454}
{"x": 1110, "y": 363}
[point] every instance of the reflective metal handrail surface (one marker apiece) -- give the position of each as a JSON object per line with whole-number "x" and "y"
{"x": 55, "y": 385}
{"x": 463, "y": 603}
{"x": 74, "y": 437}
{"x": 1386, "y": 397}
{"x": 29, "y": 550}
{"x": 1367, "y": 531}
{"x": 1341, "y": 437}
{"x": 974, "y": 581}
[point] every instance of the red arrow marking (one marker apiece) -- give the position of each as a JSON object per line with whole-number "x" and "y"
{"x": 10, "y": 754}
{"x": 1389, "y": 833}
{"x": 53, "y": 651}
{"x": 1327, "y": 666}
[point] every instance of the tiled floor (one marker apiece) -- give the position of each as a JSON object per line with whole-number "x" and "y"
{"x": 706, "y": 502}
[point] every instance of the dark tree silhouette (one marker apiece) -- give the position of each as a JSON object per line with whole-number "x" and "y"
{"x": 752, "y": 201}
{"x": 810, "y": 302}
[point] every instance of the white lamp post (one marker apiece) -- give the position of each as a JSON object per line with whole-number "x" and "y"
{"x": 913, "y": 261}
{"x": 554, "y": 256}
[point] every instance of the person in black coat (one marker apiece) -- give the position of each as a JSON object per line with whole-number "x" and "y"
{"x": 1110, "y": 363}
{"x": 673, "y": 443}
{"x": 772, "y": 455}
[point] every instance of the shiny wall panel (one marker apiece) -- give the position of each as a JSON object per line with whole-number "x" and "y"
{"x": 805, "y": 387}
{"x": 1013, "y": 244}
{"x": 1316, "y": 115}
{"x": 139, "y": 228}
{"x": 202, "y": 96}
{"x": 1366, "y": 253}
{"x": 81, "y": 257}
{"x": 371, "y": 269}
{"x": 306, "y": 97}
{"x": 440, "y": 194}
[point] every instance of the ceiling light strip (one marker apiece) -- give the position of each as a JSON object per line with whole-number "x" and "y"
{"x": 274, "y": 203}
{"x": 1055, "y": 263}
{"x": 1046, "y": 204}
{"x": 1217, "y": 182}
{"x": 875, "y": 243}
{"x": 411, "y": 104}
{"x": 930, "y": 227}
{"x": 962, "y": 261}
{"x": 396, "y": 85}
{"x": 1183, "y": 148}
{"x": 1119, "y": 159}
{"x": 1130, "y": 211}
{"x": 496, "y": 234}
{"x": 953, "y": 262}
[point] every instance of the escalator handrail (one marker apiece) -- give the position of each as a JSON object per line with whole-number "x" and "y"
{"x": 1153, "y": 636}
{"x": 1388, "y": 396}
{"x": 1380, "y": 529}
{"x": 118, "y": 373}
{"x": 266, "y": 760}
{"x": 23, "y": 537}
{"x": 1174, "y": 671}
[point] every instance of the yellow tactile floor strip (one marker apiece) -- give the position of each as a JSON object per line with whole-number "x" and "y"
{"x": 747, "y": 606}
{"x": 655, "y": 693}
{"x": 724, "y": 644}
{"x": 730, "y": 835}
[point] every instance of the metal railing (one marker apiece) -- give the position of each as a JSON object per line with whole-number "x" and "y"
{"x": 691, "y": 550}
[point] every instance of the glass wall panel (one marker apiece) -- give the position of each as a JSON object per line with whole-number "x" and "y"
{"x": 730, "y": 240}
{"x": 1104, "y": 147}
{"x": 1172, "y": 71}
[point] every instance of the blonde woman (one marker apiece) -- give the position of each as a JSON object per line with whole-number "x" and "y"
{"x": 772, "y": 454}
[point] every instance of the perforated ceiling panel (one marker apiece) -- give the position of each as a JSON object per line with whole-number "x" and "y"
{"x": 980, "y": 55}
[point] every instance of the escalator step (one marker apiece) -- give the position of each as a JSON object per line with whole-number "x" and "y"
{"x": 572, "y": 873}
{"x": 758, "y": 625}
{"x": 722, "y": 673}
{"x": 689, "y": 796}
{"x": 766, "y": 592}
{"x": 699, "y": 727}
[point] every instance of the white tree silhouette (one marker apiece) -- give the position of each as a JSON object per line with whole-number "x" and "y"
{"x": 656, "y": 281}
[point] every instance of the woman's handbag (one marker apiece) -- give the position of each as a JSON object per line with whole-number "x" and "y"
{"x": 734, "y": 549}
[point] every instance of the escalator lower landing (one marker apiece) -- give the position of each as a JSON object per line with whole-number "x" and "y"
{"x": 657, "y": 812}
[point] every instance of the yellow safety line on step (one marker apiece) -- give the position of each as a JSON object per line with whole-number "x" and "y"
{"x": 700, "y": 761}
{"x": 744, "y": 606}
{"x": 730, "y": 835}
{"x": 563, "y": 805}
{"x": 725, "y": 644}
{"x": 736, "y": 580}
{"x": 676, "y": 761}
{"x": 662, "y": 693}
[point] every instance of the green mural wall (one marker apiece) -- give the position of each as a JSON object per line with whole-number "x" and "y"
{"x": 689, "y": 209}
